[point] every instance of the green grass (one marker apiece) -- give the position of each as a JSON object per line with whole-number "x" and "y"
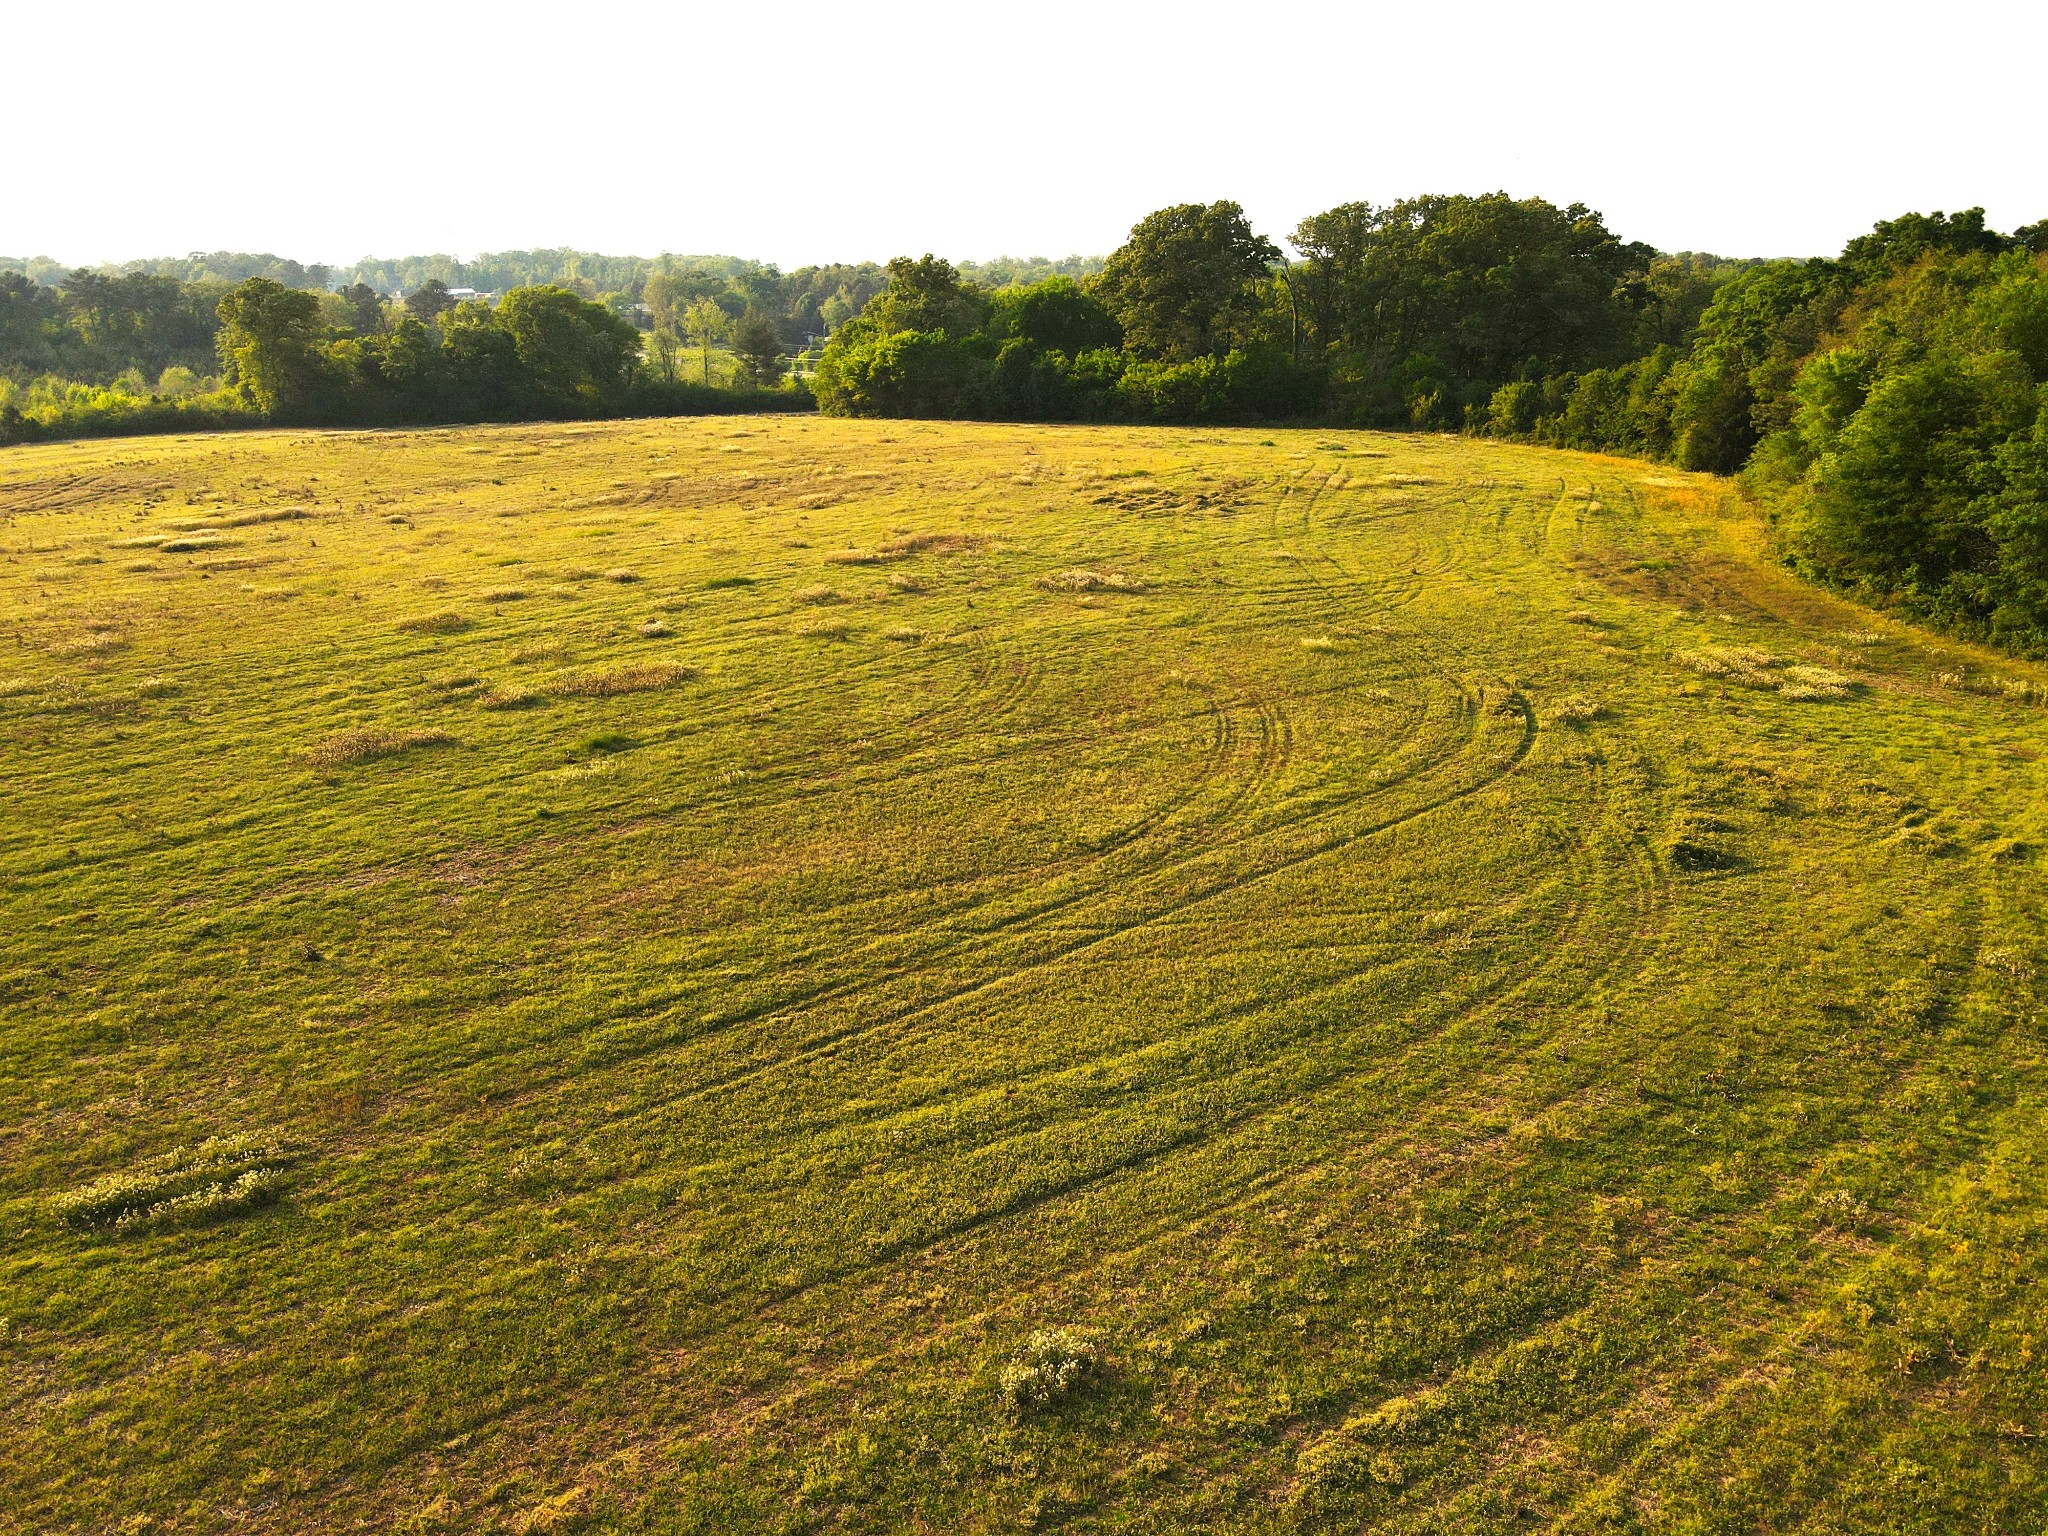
{"x": 1234, "y": 983}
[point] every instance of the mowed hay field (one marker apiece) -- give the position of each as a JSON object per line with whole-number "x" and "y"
{"x": 808, "y": 975}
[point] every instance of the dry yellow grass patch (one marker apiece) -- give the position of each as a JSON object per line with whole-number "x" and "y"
{"x": 511, "y": 698}
{"x": 1079, "y": 580}
{"x": 361, "y": 746}
{"x": 642, "y": 678}
{"x": 446, "y": 622}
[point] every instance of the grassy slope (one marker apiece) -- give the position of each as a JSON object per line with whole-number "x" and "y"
{"x": 1443, "y": 1112}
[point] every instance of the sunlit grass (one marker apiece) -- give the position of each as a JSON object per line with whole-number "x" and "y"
{"x": 837, "y": 976}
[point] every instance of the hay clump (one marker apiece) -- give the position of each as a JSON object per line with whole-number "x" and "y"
{"x": 1079, "y": 580}
{"x": 1752, "y": 668}
{"x": 645, "y": 678}
{"x": 370, "y": 743}
{"x": 446, "y": 622}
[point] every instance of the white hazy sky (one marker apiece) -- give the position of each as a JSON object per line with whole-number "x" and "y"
{"x": 801, "y": 132}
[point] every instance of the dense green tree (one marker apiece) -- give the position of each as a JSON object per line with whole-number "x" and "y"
{"x": 1429, "y": 305}
{"x": 571, "y": 350}
{"x": 479, "y": 364}
{"x": 366, "y": 308}
{"x": 2017, "y": 522}
{"x": 899, "y": 373}
{"x": 1896, "y": 243}
{"x": 266, "y": 342}
{"x": 429, "y": 301}
{"x": 757, "y": 351}
{"x": 1058, "y": 315}
{"x": 1185, "y": 285}
{"x": 926, "y": 294}
{"x": 32, "y": 329}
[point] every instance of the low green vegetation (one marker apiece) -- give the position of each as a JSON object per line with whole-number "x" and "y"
{"x": 1283, "y": 981}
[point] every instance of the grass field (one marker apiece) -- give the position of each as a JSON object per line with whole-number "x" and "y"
{"x": 819, "y": 975}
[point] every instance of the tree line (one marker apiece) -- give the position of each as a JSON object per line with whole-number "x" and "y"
{"x": 1888, "y": 405}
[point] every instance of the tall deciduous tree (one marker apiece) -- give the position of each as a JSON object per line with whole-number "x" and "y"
{"x": 1185, "y": 284}
{"x": 704, "y": 322}
{"x": 927, "y": 294}
{"x": 266, "y": 342}
{"x": 571, "y": 349}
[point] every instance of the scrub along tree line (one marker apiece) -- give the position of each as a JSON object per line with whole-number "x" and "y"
{"x": 1889, "y": 406}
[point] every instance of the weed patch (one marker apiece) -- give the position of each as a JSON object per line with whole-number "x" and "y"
{"x": 221, "y": 1177}
{"x": 2012, "y": 689}
{"x": 1052, "y": 1363}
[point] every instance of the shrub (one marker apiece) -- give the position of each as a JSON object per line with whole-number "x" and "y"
{"x": 1051, "y": 1364}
